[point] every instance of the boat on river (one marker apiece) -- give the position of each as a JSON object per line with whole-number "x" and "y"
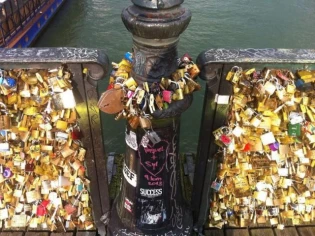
{"x": 21, "y": 21}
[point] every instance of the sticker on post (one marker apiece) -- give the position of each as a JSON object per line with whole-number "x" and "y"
{"x": 130, "y": 176}
{"x": 128, "y": 205}
{"x": 151, "y": 193}
{"x": 131, "y": 140}
{"x": 222, "y": 99}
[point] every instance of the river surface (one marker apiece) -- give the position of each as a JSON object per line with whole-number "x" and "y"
{"x": 214, "y": 24}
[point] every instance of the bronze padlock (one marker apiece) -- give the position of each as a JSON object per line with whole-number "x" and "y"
{"x": 111, "y": 101}
{"x": 134, "y": 122}
{"x": 193, "y": 71}
{"x": 145, "y": 123}
{"x": 5, "y": 119}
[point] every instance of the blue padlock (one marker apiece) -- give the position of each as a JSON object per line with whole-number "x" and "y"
{"x": 299, "y": 83}
{"x": 302, "y": 86}
{"x": 128, "y": 57}
{"x": 8, "y": 83}
{"x": 229, "y": 212}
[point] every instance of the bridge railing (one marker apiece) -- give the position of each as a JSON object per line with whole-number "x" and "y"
{"x": 94, "y": 63}
{"x": 214, "y": 65}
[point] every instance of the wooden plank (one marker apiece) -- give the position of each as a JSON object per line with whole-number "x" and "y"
{"x": 287, "y": 231}
{"x": 30, "y": 233}
{"x": 306, "y": 231}
{"x": 237, "y": 232}
{"x": 11, "y": 233}
{"x": 63, "y": 234}
{"x": 262, "y": 231}
{"x": 214, "y": 232}
{"x": 86, "y": 233}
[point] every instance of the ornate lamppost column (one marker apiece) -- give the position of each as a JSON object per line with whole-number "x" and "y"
{"x": 150, "y": 201}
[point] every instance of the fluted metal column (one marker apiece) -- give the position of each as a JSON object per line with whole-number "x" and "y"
{"x": 150, "y": 201}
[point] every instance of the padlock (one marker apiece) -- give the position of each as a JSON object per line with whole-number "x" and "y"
{"x": 193, "y": 71}
{"x": 145, "y": 123}
{"x": 294, "y": 129}
{"x": 216, "y": 184}
{"x": 128, "y": 56}
{"x": 167, "y": 96}
{"x": 130, "y": 83}
{"x": 5, "y": 119}
{"x": 153, "y": 137}
{"x": 165, "y": 83}
{"x": 280, "y": 75}
{"x": 63, "y": 100}
{"x": 256, "y": 120}
{"x": 270, "y": 86}
{"x": 134, "y": 122}
{"x": 231, "y": 73}
{"x": 151, "y": 103}
{"x": 259, "y": 88}
{"x": 178, "y": 95}
{"x": 290, "y": 87}
{"x": 159, "y": 101}
{"x": 306, "y": 76}
{"x": 178, "y": 74}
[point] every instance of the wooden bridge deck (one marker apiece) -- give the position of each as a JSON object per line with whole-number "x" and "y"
{"x": 288, "y": 231}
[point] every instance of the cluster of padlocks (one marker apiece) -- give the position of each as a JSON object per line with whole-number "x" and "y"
{"x": 267, "y": 150}
{"x": 136, "y": 102}
{"x": 42, "y": 173}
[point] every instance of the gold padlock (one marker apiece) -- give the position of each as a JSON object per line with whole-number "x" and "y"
{"x": 178, "y": 95}
{"x": 178, "y": 74}
{"x": 62, "y": 125}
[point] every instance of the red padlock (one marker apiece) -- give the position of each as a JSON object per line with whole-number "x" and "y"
{"x": 110, "y": 86}
{"x": 41, "y": 210}
{"x": 76, "y": 134}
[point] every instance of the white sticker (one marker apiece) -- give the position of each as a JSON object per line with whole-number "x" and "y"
{"x": 150, "y": 193}
{"x": 222, "y": 99}
{"x": 131, "y": 140}
{"x": 130, "y": 176}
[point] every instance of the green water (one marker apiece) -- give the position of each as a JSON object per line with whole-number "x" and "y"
{"x": 214, "y": 24}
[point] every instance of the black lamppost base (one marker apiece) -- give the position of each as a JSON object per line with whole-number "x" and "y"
{"x": 117, "y": 228}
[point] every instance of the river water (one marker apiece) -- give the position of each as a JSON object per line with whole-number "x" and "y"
{"x": 214, "y": 24}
